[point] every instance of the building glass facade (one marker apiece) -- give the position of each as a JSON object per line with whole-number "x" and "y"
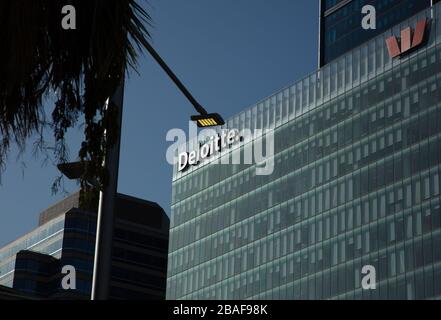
{"x": 47, "y": 239}
{"x": 329, "y": 4}
{"x": 356, "y": 182}
{"x": 66, "y": 236}
{"x": 70, "y": 238}
{"x": 342, "y": 29}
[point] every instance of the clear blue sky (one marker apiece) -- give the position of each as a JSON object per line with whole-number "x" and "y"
{"x": 229, "y": 53}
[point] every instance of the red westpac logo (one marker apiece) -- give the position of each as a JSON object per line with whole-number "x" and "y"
{"x": 407, "y": 42}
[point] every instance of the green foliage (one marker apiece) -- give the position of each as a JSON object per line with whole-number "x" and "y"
{"x": 83, "y": 67}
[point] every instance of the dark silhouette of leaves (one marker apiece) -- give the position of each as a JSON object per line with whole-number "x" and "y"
{"x": 83, "y": 67}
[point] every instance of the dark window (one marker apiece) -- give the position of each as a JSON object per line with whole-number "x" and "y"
{"x": 342, "y": 28}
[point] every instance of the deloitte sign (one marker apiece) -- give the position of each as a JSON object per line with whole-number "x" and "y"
{"x": 257, "y": 147}
{"x": 215, "y": 144}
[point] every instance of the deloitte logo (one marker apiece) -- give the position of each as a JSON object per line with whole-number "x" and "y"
{"x": 209, "y": 145}
{"x": 215, "y": 144}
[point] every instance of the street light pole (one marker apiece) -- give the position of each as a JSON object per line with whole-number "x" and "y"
{"x": 173, "y": 77}
{"x": 106, "y": 208}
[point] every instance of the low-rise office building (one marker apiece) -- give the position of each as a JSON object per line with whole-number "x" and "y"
{"x": 66, "y": 236}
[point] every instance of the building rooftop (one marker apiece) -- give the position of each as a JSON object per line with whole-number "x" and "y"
{"x": 61, "y": 207}
{"x": 128, "y": 208}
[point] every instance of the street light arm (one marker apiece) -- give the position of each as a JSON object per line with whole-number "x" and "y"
{"x": 174, "y": 78}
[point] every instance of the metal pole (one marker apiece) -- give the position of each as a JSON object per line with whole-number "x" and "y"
{"x": 106, "y": 209}
{"x": 173, "y": 77}
{"x": 105, "y": 219}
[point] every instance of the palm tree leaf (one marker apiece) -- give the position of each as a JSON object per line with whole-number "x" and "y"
{"x": 83, "y": 67}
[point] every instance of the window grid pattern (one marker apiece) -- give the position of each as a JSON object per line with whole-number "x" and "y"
{"x": 356, "y": 182}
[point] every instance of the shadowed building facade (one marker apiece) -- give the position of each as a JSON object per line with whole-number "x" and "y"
{"x": 66, "y": 236}
{"x": 356, "y": 182}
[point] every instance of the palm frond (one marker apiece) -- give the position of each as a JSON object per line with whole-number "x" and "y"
{"x": 83, "y": 67}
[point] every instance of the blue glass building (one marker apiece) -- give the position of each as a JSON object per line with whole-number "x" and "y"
{"x": 340, "y": 23}
{"x": 66, "y": 236}
{"x": 356, "y": 183}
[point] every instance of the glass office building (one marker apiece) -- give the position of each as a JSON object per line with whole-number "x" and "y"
{"x": 340, "y": 22}
{"x": 356, "y": 183}
{"x": 66, "y": 236}
{"x": 46, "y": 239}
